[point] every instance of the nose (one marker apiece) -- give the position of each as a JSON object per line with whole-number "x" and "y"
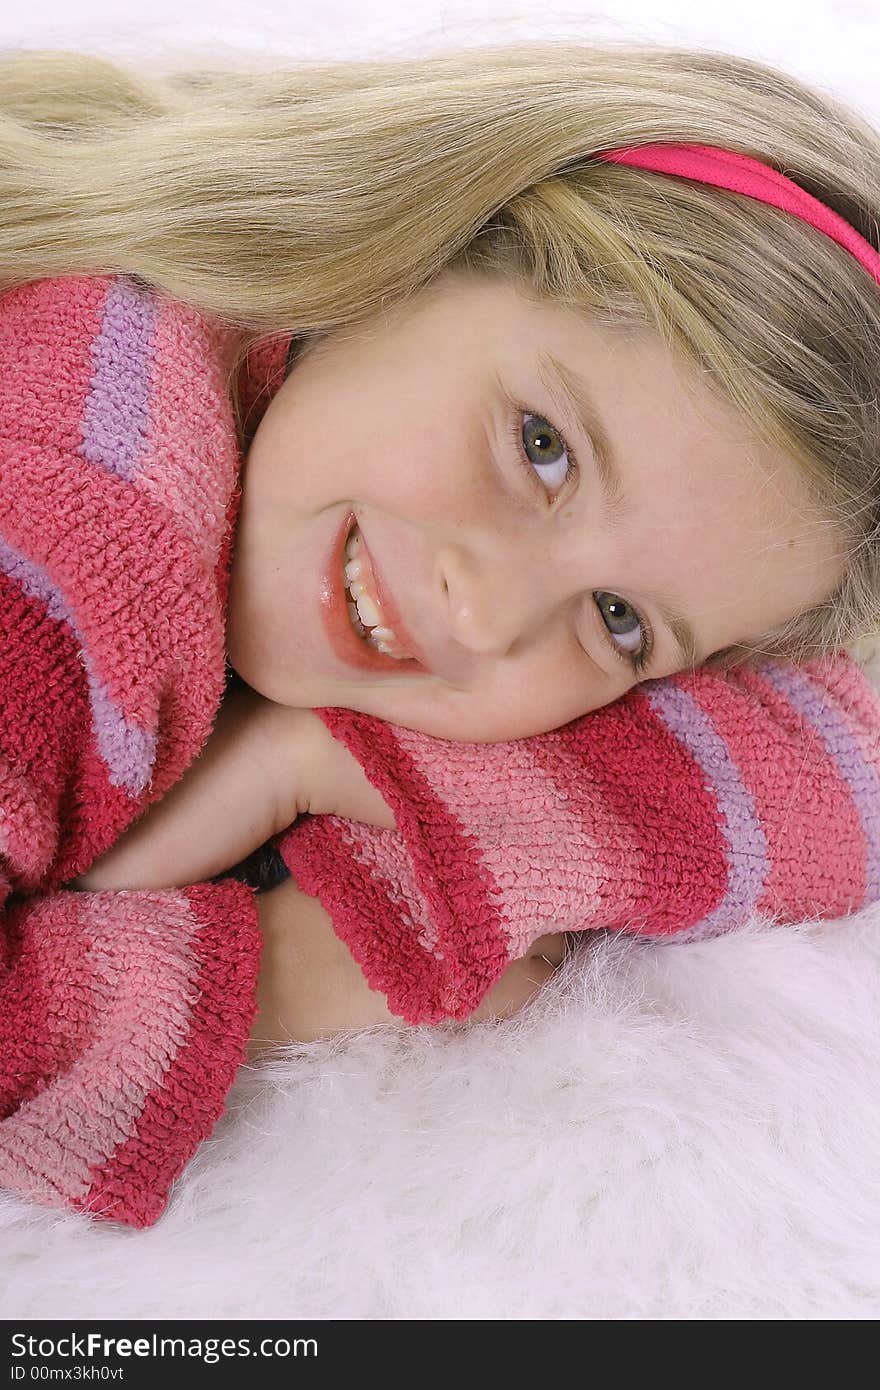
{"x": 496, "y": 598}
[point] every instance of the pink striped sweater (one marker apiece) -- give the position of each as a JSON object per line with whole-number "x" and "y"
{"x": 676, "y": 812}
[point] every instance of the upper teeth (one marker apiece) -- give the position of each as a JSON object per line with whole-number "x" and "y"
{"x": 367, "y": 611}
{"x": 365, "y": 606}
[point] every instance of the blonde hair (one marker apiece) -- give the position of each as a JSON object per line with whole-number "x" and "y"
{"x": 300, "y": 200}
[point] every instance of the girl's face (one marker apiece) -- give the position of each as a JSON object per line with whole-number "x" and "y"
{"x": 527, "y": 553}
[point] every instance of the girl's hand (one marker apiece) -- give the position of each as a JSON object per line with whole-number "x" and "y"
{"x": 324, "y": 779}
{"x": 310, "y": 986}
{"x": 263, "y": 765}
{"x": 245, "y": 784}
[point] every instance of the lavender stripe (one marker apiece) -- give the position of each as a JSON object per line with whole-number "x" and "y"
{"x": 837, "y": 736}
{"x": 748, "y": 861}
{"x": 116, "y": 415}
{"x": 129, "y": 752}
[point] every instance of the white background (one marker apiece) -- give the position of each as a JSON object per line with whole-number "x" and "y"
{"x": 689, "y": 1133}
{"x": 832, "y": 42}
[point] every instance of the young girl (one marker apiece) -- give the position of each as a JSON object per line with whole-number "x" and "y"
{"x": 581, "y": 404}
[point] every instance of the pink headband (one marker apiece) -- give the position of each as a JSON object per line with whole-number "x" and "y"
{"x": 725, "y": 169}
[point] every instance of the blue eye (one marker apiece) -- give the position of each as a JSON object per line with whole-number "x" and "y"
{"x": 636, "y": 656}
{"x": 539, "y": 435}
{"x": 543, "y": 438}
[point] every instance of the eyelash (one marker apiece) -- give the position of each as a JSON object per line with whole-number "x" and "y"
{"x": 639, "y": 660}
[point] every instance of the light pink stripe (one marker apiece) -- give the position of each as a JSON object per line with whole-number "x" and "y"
{"x": 190, "y": 461}
{"x": 555, "y": 833}
{"x": 387, "y": 861}
{"x": 28, "y": 829}
{"x": 147, "y": 974}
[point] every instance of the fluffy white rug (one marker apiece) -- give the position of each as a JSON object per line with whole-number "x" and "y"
{"x": 670, "y": 1132}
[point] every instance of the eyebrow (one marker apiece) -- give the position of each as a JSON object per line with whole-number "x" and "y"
{"x": 568, "y": 385}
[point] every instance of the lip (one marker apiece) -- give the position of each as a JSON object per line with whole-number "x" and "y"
{"x": 333, "y": 603}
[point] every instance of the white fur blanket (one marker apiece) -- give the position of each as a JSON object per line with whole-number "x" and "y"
{"x": 669, "y": 1132}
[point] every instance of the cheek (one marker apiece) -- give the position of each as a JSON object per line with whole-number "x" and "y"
{"x": 307, "y": 439}
{"x": 402, "y": 440}
{"x": 423, "y": 472}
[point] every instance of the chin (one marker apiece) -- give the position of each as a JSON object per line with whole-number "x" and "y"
{"x": 248, "y": 665}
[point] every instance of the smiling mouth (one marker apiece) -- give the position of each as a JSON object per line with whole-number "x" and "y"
{"x": 364, "y": 604}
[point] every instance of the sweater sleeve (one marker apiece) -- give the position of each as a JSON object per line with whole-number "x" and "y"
{"x": 123, "y": 1016}
{"x": 123, "y": 1019}
{"x": 677, "y": 812}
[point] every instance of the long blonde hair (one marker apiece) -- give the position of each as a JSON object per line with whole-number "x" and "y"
{"x": 299, "y": 200}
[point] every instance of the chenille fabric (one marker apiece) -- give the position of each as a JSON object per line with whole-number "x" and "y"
{"x": 677, "y": 812}
{"x": 674, "y": 813}
{"x": 123, "y": 1015}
